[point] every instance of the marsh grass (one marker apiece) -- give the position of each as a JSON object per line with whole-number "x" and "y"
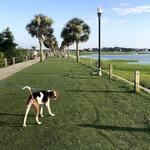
{"x": 123, "y": 69}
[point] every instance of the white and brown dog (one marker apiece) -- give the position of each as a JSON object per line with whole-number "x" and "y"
{"x": 38, "y": 99}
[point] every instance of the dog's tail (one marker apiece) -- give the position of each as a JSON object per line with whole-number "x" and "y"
{"x": 27, "y": 87}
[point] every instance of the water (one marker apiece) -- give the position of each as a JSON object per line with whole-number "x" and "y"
{"x": 139, "y": 58}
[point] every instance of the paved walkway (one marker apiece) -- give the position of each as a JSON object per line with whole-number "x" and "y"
{"x": 8, "y": 71}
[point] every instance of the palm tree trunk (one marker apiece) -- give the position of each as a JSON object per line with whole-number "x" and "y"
{"x": 68, "y": 51}
{"x": 50, "y": 52}
{"x": 77, "y": 51}
{"x": 54, "y": 51}
{"x": 41, "y": 51}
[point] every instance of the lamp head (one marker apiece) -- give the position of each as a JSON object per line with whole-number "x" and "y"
{"x": 99, "y": 10}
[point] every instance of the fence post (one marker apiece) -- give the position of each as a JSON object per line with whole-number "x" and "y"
{"x": 13, "y": 60}
{"x": 26, "y": 58}
{"x": 137, "y": 81}
{"x": 110, "y": 71}
{"x": 5, "y": 61}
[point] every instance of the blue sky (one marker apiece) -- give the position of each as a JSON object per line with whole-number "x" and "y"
{"x": 125, "y": 23}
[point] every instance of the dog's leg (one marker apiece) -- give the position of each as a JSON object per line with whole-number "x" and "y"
{"x": 26, "y": 114}
{"x": 48, "y": 108}
{"x": 41, "y": 111}
{"x": 36, "y": 105}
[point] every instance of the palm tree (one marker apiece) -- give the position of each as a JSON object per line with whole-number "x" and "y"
{"x": 56, "y": 47}
{"x": 67, "y": 39}
{"x": 38, "y": 27}
{"x": 49, "y": 42}
{"x": 65, "y": 45}
{"x": 77, "y": 31}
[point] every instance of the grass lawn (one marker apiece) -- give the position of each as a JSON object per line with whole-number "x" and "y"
{"x": 91, "y": 113}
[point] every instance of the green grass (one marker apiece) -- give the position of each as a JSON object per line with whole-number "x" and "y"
{"x": 125, "y": 70}
{"x": 91, "y": 112}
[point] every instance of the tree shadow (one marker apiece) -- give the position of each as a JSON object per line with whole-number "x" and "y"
{"x": 97, "y": 126}
{"x": 15, "y": 114}
{"x": 9, "y": 114}
{"x": 115, "y": 128}
{"x": 38, "y": 73}
{"x": 5, "y": 120}
{"x": 82, "y": 77}
{"x": 97, "y": 91}
{"x": 10, "y": 124}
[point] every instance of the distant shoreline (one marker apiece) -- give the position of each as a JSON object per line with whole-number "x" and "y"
{"x": 113, "y": 53}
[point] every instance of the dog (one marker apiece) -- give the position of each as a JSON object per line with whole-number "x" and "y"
{"x": 38, "y": 99}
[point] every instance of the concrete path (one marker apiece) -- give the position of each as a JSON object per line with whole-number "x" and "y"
{"x": 8, "y": 71}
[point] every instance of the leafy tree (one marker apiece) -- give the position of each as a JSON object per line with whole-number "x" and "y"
{"x": 7, "y": 44}
{"x": 77, "y": 31}
{"x": 20, "y": 54}
{"x": 39, "y": 27}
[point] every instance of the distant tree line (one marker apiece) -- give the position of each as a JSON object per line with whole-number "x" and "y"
{"x": 115, "y": 49}
{"x": 120, "y": 49}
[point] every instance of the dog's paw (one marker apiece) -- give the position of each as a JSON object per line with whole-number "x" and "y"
{"x": 41, "y": 116}
{"x": 24, "y": 125}
{"x": 52, "y": 115}
{"x": 39, "y": 122}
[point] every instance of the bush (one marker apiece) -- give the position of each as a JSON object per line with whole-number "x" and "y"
{"x": 1, "y": 59}
{"x": 20, "y": 54}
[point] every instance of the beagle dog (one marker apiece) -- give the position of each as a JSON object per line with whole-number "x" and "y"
{"x": 38, "y": 99}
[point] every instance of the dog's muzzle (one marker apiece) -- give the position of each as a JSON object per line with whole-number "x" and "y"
{"x": 55, "y": 97}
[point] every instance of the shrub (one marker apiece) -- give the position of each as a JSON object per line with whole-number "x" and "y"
{"x": 1, "y": 59}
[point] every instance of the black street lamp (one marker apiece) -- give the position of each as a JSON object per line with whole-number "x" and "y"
{"x": 99, "y": 13}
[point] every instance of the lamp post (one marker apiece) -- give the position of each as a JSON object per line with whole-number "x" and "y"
{"x": 99, "y": 12}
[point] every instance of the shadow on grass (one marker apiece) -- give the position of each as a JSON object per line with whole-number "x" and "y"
{"x": 5, "y": 120}
{"x": 108, "y": 127}
{"x": 97, "y": 91}
{"x": 115, "y": 128}
{"x": 9, "y": 114}
{"x": 37, "y": 73}
{"x": 15, "y": 125}
{"x": 8, "y": 124}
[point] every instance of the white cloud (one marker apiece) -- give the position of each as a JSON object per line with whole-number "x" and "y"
{"x": 108, "y": 21}
{"x": 123, "y": 4}
{"x": 124, "y": 10}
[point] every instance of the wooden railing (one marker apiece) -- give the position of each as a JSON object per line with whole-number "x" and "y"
{"x": 11, "y": 61}
{"x": 136, "y": 83}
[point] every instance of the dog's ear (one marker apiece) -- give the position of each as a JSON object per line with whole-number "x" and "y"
{"x": 57, "y": 93}
{"x": 51, "y": 93}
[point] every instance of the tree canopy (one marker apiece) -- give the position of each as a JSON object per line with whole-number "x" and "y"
{"x": 76, "y": 30}
{"x": 7, "y": 44}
